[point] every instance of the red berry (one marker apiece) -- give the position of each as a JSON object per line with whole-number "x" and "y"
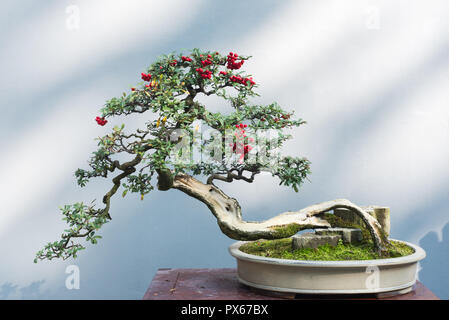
{"x": 184, "y": 58}
{"x": 101, "y": 121}
{"x": 146, "y": 77}
{"x": 205, "y": 74}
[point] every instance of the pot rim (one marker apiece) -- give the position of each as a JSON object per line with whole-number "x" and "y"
{"x": 418, "y": 255}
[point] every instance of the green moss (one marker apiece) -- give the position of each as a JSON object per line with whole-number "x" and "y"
{"x": 399, "y": 249}
{"x": 282, "y": 249}
{"x": 288, "y": 230}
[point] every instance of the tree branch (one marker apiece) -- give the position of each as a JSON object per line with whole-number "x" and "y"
{"x": 164, "y": 179}
{"x": 228, "y": 213}
{"x": 231, "y": 176}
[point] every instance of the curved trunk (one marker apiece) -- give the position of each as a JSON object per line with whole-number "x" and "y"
{"x": 229, "y": 217}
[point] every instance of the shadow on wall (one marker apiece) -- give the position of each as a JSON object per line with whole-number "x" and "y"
{"x": 434, "y": 272}
{"x": 11, "y": 291}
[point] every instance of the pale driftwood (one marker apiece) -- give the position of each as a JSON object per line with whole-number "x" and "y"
{"x": 229, "y": 216}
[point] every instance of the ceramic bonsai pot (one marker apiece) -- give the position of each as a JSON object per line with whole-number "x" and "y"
{"x": 328, "y": 277}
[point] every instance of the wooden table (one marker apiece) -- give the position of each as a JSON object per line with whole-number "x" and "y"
{"x": 222, "y": 284}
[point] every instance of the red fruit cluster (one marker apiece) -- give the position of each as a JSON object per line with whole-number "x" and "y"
{"x": 146, "y": 77}
{"x": 101, "y": 121}
{"x": 246, "y": 149}
{"x": 223, "y": 73}
{"x": 241, "y": 80}
{"x": 240, "y": 147}
{"x": 184, "y": 58}
{"x": 206, "y": 62}
{"x": 174, "y": 63}
{"x": 205, "y": 74}
{"x": 232, "y": 61}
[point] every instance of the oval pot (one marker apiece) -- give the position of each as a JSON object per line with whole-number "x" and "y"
{"x": 328, "y": 277}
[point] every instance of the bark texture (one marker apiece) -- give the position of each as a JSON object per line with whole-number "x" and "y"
{"x": 228, "y": 213}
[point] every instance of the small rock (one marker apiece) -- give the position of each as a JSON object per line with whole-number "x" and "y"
{"x": 349, "y": 236}
{"x": 312, "y": 240}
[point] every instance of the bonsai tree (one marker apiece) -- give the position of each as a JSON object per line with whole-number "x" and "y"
{"x": 169, "y": 98}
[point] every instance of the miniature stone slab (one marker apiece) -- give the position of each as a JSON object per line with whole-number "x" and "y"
{"x": 348, "y": 235}
{"x": 312, "y": 240}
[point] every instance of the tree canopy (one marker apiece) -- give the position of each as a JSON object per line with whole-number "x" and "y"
{"x": 234, "y": 145}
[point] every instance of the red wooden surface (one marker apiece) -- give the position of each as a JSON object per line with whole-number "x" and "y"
{"x": 222, "y": 284}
